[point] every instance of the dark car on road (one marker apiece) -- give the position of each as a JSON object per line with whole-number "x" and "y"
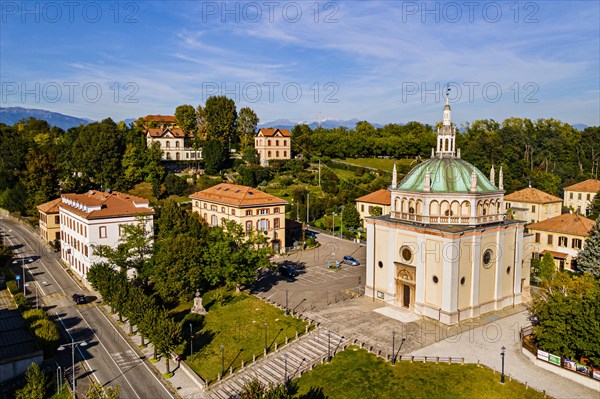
{"x": 350, "y": 261}
{"x": 287, "y": 271}
{"x": 79, "y": 299}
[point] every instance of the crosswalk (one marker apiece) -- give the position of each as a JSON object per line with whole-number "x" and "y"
{"x": 126, "y": 359}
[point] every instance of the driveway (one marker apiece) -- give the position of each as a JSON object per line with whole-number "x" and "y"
{"x": 316, "y": 286}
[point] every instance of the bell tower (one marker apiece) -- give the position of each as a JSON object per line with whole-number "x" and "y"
{"x": 446, "y": 134}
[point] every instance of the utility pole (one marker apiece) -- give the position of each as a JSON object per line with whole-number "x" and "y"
{"x": 319, "y": 173}
{"x": 307, "y": 208}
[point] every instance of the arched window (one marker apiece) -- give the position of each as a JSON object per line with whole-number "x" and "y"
{"x": 168, "y": 155}
{"x": 168, "y": 144}
{"x": 177, "y": 156}
{"x": 277, "y": 154}
{"x": 268, "y": 154}
{"x": 276, "y": 143}
{"x": 269, "y": 143}
{"x": 214, "y": 220}
{"x": 285, "y": 154}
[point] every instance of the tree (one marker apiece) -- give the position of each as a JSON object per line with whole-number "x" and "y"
{"x": 350, "y": 216}
{"x": 185, "y": 115}
{"x": 567, "y": 310}
{"x": 215, "y": 155}
{"x": 174, "y": 185}
{"x": 250, "y": 155}
{"x": 546, "y": 267}
{"x": 588, "y": 259}
{"x": 595, "y": 207}
{"x": 220, "y": 116}
{"x": 166, "y": 336}
{"x": 97, "y": 391}
{"x": 35, "y": 388}
{"x": 246, "y": 127}
{"x": 375, "y": 211}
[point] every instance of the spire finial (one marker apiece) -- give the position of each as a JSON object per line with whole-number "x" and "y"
{"x": 493, "y": 175}
{"x": 394, "y": 177}
{"x": 501, "y": 179}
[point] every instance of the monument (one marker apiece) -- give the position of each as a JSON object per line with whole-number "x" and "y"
{"x": 198, "y": 308}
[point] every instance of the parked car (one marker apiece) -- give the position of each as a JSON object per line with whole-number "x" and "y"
{"x": 350, "y": 261}
{"x": 311, "y": 234}
{"x": 287, "y": 271}
{"x": 79, "y": 299}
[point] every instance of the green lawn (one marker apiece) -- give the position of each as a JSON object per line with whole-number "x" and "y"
{"x": 385, "y": 164}
{"x": 239, "y": 326}
{"x": 355, "y": 373}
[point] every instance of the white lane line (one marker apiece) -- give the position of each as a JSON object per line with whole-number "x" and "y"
{"x": 109, "y": 355}
{"x": 127, "y": 343}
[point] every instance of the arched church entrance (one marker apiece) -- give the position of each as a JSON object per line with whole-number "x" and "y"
{"x": 405, "y": 286}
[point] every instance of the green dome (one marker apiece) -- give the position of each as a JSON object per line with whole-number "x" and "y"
{"x": 448, "y": 175}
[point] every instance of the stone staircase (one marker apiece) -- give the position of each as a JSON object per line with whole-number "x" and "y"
{"x": 288, "y": 363}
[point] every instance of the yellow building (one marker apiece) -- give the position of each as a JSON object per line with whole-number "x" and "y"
{"x": 273, "y": 144}
{"x": 247, "y": 206}
{"x": 174, "y": 143}
{"x": 563, "y": 236}
{"x": 578, "y": 197}
{"x": 532, "y": 205}
{"x": 446, "y": 251}
{"x": 49, "y": 220}
{"x": 366, "y": 203}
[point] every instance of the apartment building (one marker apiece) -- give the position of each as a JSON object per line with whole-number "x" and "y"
{"x": 273, "y": 144}
{"x": 97, "y": 218}
{"x": 254, "y": 210}
{"x": 578, "y": 197}
{"x": 49, "y": 221}
{"x": 532, "y": 205}
{"x": 563, "y": 236}
{"x": 367, "y": 203}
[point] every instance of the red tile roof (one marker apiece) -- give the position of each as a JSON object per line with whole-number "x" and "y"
{"x": 559, "y": 255}
{"x": 236, "y": 195}
{"x": 568, "y": 223}
{"x": 532, "y": 195}
{"x": 50, "y": 207}
{"x": 101, "y": 205}
{"x": 159, "y": 132}
{"x": 588, "y": 186}
{"x": 382, "y": 197}
{"x": 271, "y": 132}
{"x": 160, "y": 118}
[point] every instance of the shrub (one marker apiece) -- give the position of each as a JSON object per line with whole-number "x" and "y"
{"x": 21, "y": 301}
{"x": 12, "y": 287}
{"x": 47, "y": 334}
{"x": 33, "y": 315}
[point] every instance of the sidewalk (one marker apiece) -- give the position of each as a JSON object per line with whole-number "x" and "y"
{"x": 483, "y": 344}
{"x": 184, "y": 381}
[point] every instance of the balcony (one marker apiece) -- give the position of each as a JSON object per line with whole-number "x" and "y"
{"x": 466, "y": 220}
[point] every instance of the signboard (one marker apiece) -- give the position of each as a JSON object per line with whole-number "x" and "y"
{"x": 554, "y": 359}
{"x": 17, "y": 277}
{"x": 596, "y": 374}
{"x": 542, "y": 355}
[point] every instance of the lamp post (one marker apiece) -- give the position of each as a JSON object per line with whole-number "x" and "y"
{"x": 502, "y": 375}
{"x": 393, "y": 347}
{"x": 286, "y": 302}
{"x": 58, "y": 379}
{"x": 23, "y": 267}
{"x": 328, "y": 346}
{"x": 285, "y": 379}
{"x": 72, "y": 345}
{"x": 266, "y": 325}
{"x": 333, "y": 224}
{"x": 222, "y": 360}
{"x": 191, "y": 341}
{"x": 341, "y": 221}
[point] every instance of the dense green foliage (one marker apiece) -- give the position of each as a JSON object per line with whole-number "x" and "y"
{"x": 588, "y": 259}
{"x": 35, "y": 387}
{"x": 567, "y": 310}
{"x": 45, "y": 330}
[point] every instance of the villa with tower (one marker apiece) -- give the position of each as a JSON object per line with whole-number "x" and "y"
{"x": 446, "y": 251}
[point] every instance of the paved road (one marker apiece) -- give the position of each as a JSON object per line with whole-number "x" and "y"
{"x": 316, "y": 286}
{"x": 108, "y": 357}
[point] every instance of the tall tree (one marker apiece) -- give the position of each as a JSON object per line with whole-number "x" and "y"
{"x": 215, "y": 155}
{"x": 220, "y": 115}
{"x": 247, "y": 123}
{"x": 97, "y": 391}
{"x": 595, "y": 207}
{"x": 35, "y": 387}
{"x": 350, "y": 216}
{"x": 166, "y": 337}
{"x": 588, "y": 259}
{"x": 185, "y": 115}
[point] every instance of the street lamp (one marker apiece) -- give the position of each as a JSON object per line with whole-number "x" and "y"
{"x": 502, "y": 375}
{"x": 328, "y": 346}
{"x": 286, "y": 302}
{"x": 333, "y": 224}
{"x": 266, "y": 325}
{"x": 222, "y": 360}
{"x": 285, "y": 379}
{"x": 341, "y": 220}
{"x": 393, "y": 347}
{"x": 191, "y": 342}
{"x": 72, "y": 345}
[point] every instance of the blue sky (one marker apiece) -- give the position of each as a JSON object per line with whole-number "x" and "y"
{"x": 385, "y": 61}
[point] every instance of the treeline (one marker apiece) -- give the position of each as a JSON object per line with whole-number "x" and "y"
{"x": 547, "y": 153}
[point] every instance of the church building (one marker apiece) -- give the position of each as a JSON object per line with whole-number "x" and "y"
{"x": 446, "y": 250}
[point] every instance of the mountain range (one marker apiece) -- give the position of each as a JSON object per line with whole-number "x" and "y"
{"x": 12, "y": 115}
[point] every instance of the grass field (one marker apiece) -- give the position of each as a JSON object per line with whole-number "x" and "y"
{"x": 238, "y": 325}
{"x": 385, "y": 164}
{"x": 355, "y": 373}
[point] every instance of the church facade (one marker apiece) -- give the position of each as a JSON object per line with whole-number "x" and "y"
{"x": 446, "y": 250}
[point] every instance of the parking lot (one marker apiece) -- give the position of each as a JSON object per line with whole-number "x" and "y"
{"x": 316, "y": 285}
